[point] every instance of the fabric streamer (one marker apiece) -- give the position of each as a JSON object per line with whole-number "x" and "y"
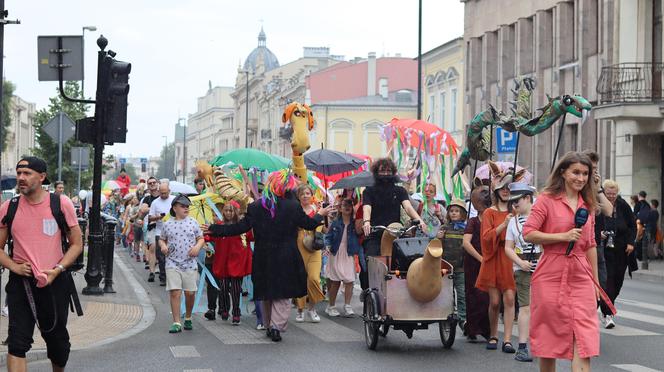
{"x": 205, "y": 273}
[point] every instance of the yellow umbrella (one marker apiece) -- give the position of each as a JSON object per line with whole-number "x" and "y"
{"x": 202, "y": 207}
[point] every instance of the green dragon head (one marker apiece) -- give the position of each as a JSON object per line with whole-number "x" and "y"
{"x": 575, "y": 105}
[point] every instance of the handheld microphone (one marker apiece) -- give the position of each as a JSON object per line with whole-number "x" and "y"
{"x": 580, "y": 219}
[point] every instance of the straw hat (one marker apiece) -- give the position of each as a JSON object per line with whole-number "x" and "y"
{"x": 387, "y": 239}
{"x": 459, "y": 203}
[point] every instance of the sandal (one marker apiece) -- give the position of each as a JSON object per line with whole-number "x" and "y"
{"x": 492, "y": 343}
{"x": 508, "y": 348}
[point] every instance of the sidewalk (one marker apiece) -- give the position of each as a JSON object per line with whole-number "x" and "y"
{"x": 107, "y": 318}
{"x": 655, "y": 272}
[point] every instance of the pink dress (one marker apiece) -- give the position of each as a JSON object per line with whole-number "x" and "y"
{"x": 341, "y": 267}
{"x": 562, "y": 291}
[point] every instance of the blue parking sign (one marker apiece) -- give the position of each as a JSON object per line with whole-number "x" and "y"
{"x": 506, "y": 141}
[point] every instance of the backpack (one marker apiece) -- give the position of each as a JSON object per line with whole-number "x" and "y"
{"x": 59, "y": 216}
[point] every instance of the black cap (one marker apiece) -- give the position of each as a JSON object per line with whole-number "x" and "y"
{"x": 36, "y": 164}
{"x": 180, "y": 199}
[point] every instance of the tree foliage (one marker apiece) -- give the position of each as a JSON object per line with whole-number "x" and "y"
{"x": 167, "y": 162}
{"x": 47, "y": 149}
{"x": 8, "y": 89}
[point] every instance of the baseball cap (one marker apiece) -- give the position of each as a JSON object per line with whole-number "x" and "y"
{"x": 36, "y": 164}
{"x": 180, "y": 199}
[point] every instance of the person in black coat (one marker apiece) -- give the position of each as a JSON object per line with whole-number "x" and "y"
{"x": 618, "y": 233}
{"x": 278, "y": 272}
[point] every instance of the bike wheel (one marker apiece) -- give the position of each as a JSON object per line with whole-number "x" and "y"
{"x": 370, "y": 326}
{"x": 447, "y": 330}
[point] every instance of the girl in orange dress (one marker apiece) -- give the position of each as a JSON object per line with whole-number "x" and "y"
{"x": 496, "y": 275}
{"x": 564, "y": 289}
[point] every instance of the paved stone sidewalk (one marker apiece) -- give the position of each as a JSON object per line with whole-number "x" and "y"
{"x": 106, "y": 318}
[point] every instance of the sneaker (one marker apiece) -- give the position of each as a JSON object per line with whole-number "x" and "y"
{"x": 523, "y": 355}
{"x": 610, "y": 323}
{"x": 151, "y": 277}
{"x": 348, "y": 311}
{"x": 138, "y": 258}
{"x": 5, "y": 311}
{"x": 260, "y": 327}
{"x": 162, "y": 282}
{"x": 299, "y": 317}
{"x": 209, "y": 315}
{"x": 236, "y": 320}
{"x": 175, "y": 328}
{"x": 332, "y": 311}
{"x": 188, "y": 325}
{"x": 147, "y": 267}
{"x": 224, "y": 315}
{"x": 313, "y": 316}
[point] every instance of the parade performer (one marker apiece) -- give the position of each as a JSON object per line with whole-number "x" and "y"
{"x": 231, "y": 262}
{"x": 301, "y": 120}
{"x": 565, "y": 288}
{"x": 495, "y": 275}
{"x": 278, "y": 270}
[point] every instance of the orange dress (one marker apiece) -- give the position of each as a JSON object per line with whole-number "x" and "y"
{"x": 496, "y": 269}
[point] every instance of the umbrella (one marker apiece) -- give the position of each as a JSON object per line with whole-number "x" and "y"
{"x": 440, "y": 141}
{"x": 181, "y": 188}
{"x": 483, "y": 171}
{"x": 8, "y": 182}
{"x": 249, "y": 158}
{"x": 112, "y": 185}
{"x": 202, "y": 208}
{"x": 362, "y": 179}
{"x": 331, "y": 162}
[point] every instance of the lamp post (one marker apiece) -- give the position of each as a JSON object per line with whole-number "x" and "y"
{"x": 184, "y": 148}
{"x": 85, "y": 28}
{"x": 165, "y": 150}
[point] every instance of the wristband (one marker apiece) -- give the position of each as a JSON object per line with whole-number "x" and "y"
{"x": 365, "y": 221}
{"x": 62, "y": 268}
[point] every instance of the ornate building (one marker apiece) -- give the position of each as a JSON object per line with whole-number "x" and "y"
{"x": 20, "y": 134}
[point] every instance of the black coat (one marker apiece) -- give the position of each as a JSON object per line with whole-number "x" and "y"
{"x": 278, "y": 271}
{"x": 624, "y": 225}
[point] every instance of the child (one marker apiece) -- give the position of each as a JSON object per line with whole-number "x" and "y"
{"x": 525, "y": 256}
{"x": 451, "y": 234}
{"x": 181, "y": 239}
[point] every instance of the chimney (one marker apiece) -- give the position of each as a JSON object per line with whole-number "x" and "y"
{"x": 371, "y": 74}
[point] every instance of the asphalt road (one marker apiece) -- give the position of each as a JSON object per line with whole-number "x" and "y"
{"x": 338, "y": 344}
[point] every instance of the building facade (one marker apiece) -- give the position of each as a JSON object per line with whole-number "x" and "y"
{"x": 443, "y": 94}
{"x": 20, "y": 133}
{"x": 563, "y": 46}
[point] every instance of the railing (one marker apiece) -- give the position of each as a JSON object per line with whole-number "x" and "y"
{"x": 631, "y": 82}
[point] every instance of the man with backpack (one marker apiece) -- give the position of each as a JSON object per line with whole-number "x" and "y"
{"x": 40, "y": 289}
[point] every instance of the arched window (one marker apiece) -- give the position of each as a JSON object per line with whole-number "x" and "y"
{"x": 372, "y": 144}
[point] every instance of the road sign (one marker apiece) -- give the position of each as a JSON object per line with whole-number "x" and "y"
{"x": 68, "y": 128}
{"x": 123, "y": 161}
{"x": 49, "y": 50}
{"x": 144, "y": 160}
{"x": 80, "y": 155}
{"x": 506, "y": 141}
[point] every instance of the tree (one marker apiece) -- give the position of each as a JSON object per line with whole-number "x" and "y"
{"x": 47, "y": 149}
{"x": 167, "y": 162}
{"x": 8, "y": 89}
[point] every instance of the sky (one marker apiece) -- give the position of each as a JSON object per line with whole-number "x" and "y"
{"x": 176, "y": 47}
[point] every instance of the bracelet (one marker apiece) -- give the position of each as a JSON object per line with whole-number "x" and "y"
{"x": 62, "y": 268}
{"x": 365, "y": 221}
{"x": 600, "y": 191}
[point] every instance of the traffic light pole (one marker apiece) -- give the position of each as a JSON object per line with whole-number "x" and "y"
{"x": 93, "y": 273}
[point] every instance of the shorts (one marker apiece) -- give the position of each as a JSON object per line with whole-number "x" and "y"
{"x": 138, "y": 233}
{"x": 149, "y": 237}
{"x": 184, "y": 280}
{"x": 522, "y": 279}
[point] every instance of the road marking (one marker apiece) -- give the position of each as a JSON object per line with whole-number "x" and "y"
{"x": 635, "y": 368}
{"x": 657, "y": 320}
{"x": 621, "y": 330}
{"x": 198, "y": 370}
{"x": 184, "y": 351}
{"x": 643, "y": 305}
{"x": 330, "y": 331}
{"x": 234, "y": 335}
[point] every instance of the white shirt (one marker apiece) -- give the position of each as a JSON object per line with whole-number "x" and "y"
{"x": 515, "y": 233}
{"x": 158, "y": 207}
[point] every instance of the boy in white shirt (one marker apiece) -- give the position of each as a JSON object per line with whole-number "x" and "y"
{"x": 525, "y": 256}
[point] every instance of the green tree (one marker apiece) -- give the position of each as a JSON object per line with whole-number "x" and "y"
{"x": 167, "y": 162}
{"x": 8, "y": 89}
{"x": 47, "y": 149}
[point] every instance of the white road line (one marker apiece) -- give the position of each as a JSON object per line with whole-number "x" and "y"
{"x": 635, "y": 368}
{"x": 621, "y": 330}
{"x": 657, "y": 320}
{"x": 184, "y": 351}
{"x": 643, "y": 305}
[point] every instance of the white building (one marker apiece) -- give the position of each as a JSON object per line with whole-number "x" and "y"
{"x": 20, "y": 134}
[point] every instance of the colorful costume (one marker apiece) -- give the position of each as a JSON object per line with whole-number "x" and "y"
{"x": 496, "y": 268}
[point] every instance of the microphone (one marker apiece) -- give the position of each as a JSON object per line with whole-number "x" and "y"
{"x": 580, "y": 219}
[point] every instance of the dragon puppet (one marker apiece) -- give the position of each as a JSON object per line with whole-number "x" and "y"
{"x": 478, "y": 135}
{"x": 301, "y": 120}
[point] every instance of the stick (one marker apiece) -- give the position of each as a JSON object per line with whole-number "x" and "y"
{"x": 490, "y": 143}
{"x": 472, "y": 186}
{"x": 516, "y": 154}
{"x": 560, "y": 136}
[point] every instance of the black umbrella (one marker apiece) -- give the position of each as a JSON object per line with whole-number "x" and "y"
{"x": 8, "y": 182}
{"x": 362, "y": 179}
{"x": 331, "y": 162}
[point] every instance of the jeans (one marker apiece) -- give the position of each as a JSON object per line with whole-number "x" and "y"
{"x": 459, "y": 281}
{"x": 161, "y": 260}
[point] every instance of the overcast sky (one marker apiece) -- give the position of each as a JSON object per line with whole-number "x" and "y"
{"x": 176, "y": 47}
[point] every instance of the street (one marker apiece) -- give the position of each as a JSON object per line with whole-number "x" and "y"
{"x": 333, "y": 345}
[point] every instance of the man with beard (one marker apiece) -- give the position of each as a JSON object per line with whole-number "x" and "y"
{"x": 381, "y": 205}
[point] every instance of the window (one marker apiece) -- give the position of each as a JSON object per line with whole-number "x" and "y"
{"x": 340, "y": 135}
{"x": 442, "y": 110}
{"x": 453, "y": 109}
{"x": 432, "y": 109}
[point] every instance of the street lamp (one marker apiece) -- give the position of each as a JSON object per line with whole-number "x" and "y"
{"x": 165, "y": 150}
{"x": 85, "y": 28}
{"x": 184, "y": 148}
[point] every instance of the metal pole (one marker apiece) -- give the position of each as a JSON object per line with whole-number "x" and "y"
{"x": 78, "y": 183}
{"x": 419, "y": 62}
{"x": 83, "y": 59}
{"x": 184, "y": 153}
{"x": 2, "y": 76}
{"x": 246, "y": 114}
{"x": 560, "y": 136}
{"x": 60, "y": 146}
{"x": 516, "y": 154}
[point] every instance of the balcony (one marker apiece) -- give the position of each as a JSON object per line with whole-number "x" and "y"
{"x": 632, "y": 82}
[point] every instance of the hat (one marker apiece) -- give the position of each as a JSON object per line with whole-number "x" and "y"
{"x": 503, "y": 181}
{"x": 36, "y": 164}
{"x": 519, "y": 189}
{"x": 459, "y": 203}
{"x": 180, "y": 199}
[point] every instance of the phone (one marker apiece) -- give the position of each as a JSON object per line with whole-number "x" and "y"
{"x": 325, "y": 204}
{"x": 163, "y": 214}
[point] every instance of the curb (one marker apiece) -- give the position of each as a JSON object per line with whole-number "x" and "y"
{"x": 648, "y": 275}
{"x": 146, "y": 320}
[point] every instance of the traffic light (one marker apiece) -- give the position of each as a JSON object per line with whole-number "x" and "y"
{"x": 144, "y": 167}
{"x": 116, "y": 74}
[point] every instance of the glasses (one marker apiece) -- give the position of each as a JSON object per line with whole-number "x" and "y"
{"x": 152, "y": 183}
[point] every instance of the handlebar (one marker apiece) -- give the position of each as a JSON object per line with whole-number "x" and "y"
{"x": 398, "y": 232}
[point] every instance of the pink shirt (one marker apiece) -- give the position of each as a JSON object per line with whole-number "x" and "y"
{"x": 36, "y": 234}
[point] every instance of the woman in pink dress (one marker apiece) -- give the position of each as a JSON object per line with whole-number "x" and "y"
{"x": 564, "y": 289}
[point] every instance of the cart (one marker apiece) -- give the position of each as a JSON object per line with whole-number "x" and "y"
{"x": 387, "y": 302}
